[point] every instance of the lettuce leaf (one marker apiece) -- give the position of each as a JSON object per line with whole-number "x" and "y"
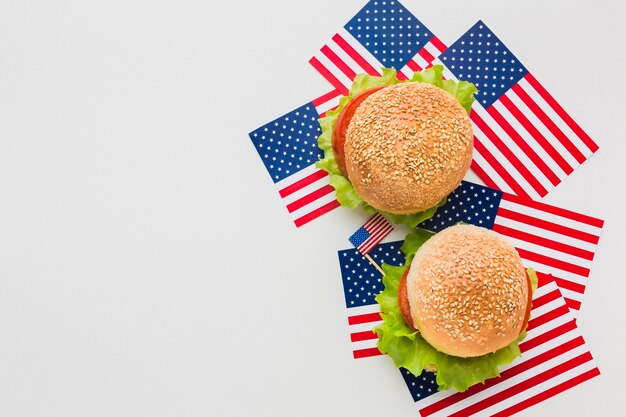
{"x": 346, "y": 195}
{"x": 410, "y": 351}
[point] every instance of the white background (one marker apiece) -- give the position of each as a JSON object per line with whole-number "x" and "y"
{"x": 147, "y": 265}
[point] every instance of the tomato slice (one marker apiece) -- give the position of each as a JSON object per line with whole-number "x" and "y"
{"x": 529, "y": 305}
{"x": 341, "y": 127}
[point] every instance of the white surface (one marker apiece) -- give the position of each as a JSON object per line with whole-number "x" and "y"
{"x": 147, "y": 266}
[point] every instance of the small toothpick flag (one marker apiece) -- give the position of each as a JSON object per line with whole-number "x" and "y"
{"x": 371, "y": 234}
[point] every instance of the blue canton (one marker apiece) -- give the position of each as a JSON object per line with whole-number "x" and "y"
{"x": 288, "y": 144}
{"x": 469, "y": 203}
{"x": 420, "y": 386}
{"x": 389, "y": 32}
{"x": 361, "y": 280}
{"x": 480, "y": 57}
{"x": 359, "y": 236}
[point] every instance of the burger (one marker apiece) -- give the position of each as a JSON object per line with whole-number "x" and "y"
{"x": 459, "y": 306}
{"x": 399, "y": 147}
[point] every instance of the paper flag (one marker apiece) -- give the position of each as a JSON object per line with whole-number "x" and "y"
{"x": 525, "y": 142}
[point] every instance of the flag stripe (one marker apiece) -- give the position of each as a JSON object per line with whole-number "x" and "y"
{"x": 426, "y": 55}
{"x": 536, "y": 322}
{"x": 323, "y": 99}
{"x": 554, "y": 129}
{"x": 565, "y": 284}
{"x": 480, "y": 117}
{"x": 413, "y": 66}
{"x": 544, "y": 224}
{"x": 316, "y": 213}
{"x": 546, "y": 299}
{"x": 334, "y": 81}
{"x": 482, "y": 174}
{"x": 298, "y": 185}
{"x": 542, "y": 241}
{"x": 536, "y": 135}
{"x": 366, "y": 335}
{"x": 548, "y": 335}
{"x": 362, "y": 62}
{"x": 343, "y": 67}
{"x": 494, "y": 164}
{"x": 505, "y": 174}
{"x": 557, "y": 211}
{"x": 524, "y": 146}
{"x": 309, "y": 198}
{"x": 546, "y": 260}
{"x": 528, "y": 383}
{"x": 366, "y": 353}
{"x": 556, "y": 119}
{"x": 364, "y": 318}
{"x": 438, "y": 44}
{"x": 548, "y": 393}
{"x": 561, "y": 112}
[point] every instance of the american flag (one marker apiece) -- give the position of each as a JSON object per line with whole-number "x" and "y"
{"x": 382, "y": 34}
{"x": 525, "y": 142}
{"x": 371, "y": 233}
{"x": 549, "y": 239}
{"x": 361, "y": 282}
{"x": 288, "y": 148}
{"x": 554, "y": 359}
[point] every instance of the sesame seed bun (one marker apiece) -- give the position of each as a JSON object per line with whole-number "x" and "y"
{"x": 407, "y": 147}
{"x": 467, "y": 291}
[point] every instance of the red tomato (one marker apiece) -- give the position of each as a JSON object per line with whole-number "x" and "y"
{"x": 343, "y": 120}
{"x": 529, "y": 305}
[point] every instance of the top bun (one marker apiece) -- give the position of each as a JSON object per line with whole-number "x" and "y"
{"x": 407, "y": 147}
{"x": 468, "y": 291}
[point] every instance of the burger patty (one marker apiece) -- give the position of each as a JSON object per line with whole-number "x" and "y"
{"x": 405, "y": 308}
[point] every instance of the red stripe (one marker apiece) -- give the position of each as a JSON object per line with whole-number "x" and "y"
{"x": 546, "y": 298}
{"x": 505, "y": 150}
{"x": 554, "y": 129}
{"x": 524, "y": 146}
{"x": 426, "y": 55}
{"x": 542, "y": 241}
{"x": 365, "y": 353}
{"x": 364, "y": 318}
{"x": 371, "y": 220}
{"x": 529, "y": 344}
{"x": 523, "y": 386}
{"x": 352, "y": 53}
{"x": 572, "y": 304}
{"x": 329, "y": 76}
{"x": 413, "y": 66}
{"x": 360, "y": 336}
{"x": 544, "y": 224}
{"x": 317, "y": 213}
{"x": 325, "y": 98}
{"x": 491, "y": 160}
{"x": 311, "y": 197}
{"x": 572, "y": 215}
{"x": 545, "y": 318}
{"x": 334, "y": 58}
{"x": 509, "y": 373}
{"x": 401, "y": 76}
{"x": 536, "y": 134}
{"x": 298, "y": 185}
{"x": 438, "y": 44}
{"x": 561, "y": 112}
{"x": 555, "y": 263}
{"x": 483, "y": 175}
{"x": 550, "y": 392}
{"x": 569, "y": 285}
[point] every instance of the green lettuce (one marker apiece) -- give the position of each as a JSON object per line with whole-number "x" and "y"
{"x": 463, "y": 91}
{"x": 410, "y": 351}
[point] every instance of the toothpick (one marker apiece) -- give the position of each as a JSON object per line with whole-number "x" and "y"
{"x": 369, "y": 258}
